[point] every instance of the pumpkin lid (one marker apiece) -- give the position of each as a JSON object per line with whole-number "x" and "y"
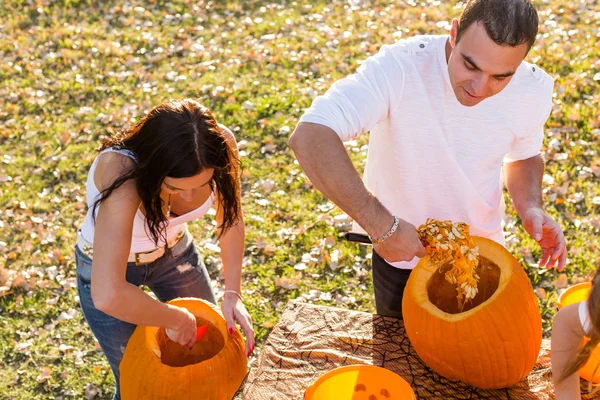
{"x": 574, "y": 294}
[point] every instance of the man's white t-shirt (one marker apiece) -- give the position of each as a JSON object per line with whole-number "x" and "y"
{"x": 429, "y": 156}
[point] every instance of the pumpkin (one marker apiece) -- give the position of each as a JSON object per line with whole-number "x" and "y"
{"x": 576, "y": 294}
{"x": 493, "y": 341}
{"x": 360, "y": 382}
{"x": 155, "y": 367}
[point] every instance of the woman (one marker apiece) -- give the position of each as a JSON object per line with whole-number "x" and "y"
{"x": 143, "y": 187}
{"x": 570, "y": 351}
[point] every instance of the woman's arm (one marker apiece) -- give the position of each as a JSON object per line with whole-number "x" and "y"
{"x": 567, "y": 340}
{"x": 111, "y": 293}
{"x": 232, "y": 254}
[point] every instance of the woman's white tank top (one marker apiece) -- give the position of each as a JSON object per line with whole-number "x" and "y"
{"x": 141, "y": 240}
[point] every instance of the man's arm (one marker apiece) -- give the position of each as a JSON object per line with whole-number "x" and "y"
{"x": 524, "y": 182}
{"x": 325, "y": 161}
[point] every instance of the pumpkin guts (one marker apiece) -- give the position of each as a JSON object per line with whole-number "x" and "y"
{"x": 449, "y": 244}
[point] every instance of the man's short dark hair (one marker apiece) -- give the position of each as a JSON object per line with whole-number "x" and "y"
{"x": 507, "y": 22}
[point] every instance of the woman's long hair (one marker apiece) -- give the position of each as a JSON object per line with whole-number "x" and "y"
{"x": 593, "y": 305}
{"x": 178, "y": 139}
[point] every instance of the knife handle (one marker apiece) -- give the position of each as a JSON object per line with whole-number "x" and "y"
{"x": 357, "y": 237}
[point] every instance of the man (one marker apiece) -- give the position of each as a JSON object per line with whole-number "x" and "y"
{"x": 446, "y": 115}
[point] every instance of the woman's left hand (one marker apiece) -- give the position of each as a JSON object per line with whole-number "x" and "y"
{"x": 234, "y": 310}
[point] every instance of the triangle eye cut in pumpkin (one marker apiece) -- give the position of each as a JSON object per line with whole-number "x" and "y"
{"x": 489, "y": 341}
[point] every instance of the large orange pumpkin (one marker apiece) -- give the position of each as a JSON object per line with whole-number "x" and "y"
{"x": 494, "y": 341}
{"x": 359, "y": 382}
{"x": 155, "y": 367}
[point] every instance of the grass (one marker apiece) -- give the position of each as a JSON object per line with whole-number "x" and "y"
{"x": 73, "y": 72}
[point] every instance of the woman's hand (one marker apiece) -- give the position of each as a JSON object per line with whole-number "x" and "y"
{"x": 185, "y": 333}
{"x": 234, "y": 310}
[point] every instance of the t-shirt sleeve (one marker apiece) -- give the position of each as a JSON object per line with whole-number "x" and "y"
{"x": 530, "y": 144}
{"x": 355, "y": 104}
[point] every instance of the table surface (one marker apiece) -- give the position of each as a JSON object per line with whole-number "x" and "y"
{"x": 310, "y": 340}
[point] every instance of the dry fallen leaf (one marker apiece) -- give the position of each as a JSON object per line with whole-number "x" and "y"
{"x": 335, "y": 256}
{"x": 268, "y": 325}
{"x": 287, "y": 283}
{"x": 561, "y": 282}
{"x": 541, "y": 293}
{"x": 3, "y": 276}
{"x": 44, "y": 375}
{"x": 300, "y": 266}
{"x": 91, "y": 391}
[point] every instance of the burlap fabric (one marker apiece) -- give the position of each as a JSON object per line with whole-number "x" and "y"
{"x": 310, "y": 340}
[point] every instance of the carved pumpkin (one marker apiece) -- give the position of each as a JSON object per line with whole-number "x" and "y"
{"x": 359, "y": 382}
{"x": 572, "y": 295}
{"x": 494, "y": 341}
{"x": 155, "y": 367}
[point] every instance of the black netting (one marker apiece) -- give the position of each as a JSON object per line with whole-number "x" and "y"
{"x": 310, "y": 340}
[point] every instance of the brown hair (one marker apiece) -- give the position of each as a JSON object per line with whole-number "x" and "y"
{"x": 507, "y": 22}
{"x": 593, "y": 305}
{"x": 178, "y": 139}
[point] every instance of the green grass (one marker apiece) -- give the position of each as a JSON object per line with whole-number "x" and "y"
{"x": 73, "y": 72}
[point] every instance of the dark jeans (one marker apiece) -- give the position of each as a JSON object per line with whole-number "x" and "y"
{"x": 179, "y": 274}
{"x": 388, "y": 284}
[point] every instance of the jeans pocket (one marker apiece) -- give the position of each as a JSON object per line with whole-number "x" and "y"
{"x": 84, "y": 267}
{"x": 183, "y": 253}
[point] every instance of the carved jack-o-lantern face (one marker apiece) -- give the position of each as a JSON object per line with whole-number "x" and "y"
{"x": 360, "y": 382}
{"x": 362, "y": 392}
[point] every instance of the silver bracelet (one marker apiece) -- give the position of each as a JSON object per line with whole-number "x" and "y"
{"x": 388, "y": 233}
{"x": 234, "y": 292}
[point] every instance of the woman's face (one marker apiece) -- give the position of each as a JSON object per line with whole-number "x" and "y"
{"x": 186, "y": 188}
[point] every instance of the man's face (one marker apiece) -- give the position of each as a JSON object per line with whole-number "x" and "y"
{"x": 478, "y": 67}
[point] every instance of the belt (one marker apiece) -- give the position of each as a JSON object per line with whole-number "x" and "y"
{"x": 141, "y": 258}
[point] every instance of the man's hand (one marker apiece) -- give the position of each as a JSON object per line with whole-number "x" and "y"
{"x": 544, "y": 230}
{"x": 403, "y": 245}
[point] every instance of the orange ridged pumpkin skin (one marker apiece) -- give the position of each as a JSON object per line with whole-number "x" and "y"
{"x": 493, "y": 345}
{"x": 145, "y": 376}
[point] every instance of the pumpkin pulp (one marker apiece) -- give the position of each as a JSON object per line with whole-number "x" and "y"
{"x": 175, "y": 355}
{"x": 442, "y": 293}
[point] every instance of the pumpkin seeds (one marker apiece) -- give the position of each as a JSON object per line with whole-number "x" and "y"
{"x": 449, "y": 243}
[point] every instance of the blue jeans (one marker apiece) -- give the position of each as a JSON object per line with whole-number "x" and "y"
{"x": 179, "y": 274}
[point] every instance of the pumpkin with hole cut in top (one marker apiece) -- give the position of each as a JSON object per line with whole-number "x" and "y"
{"x": 155, "y": 367}
{"x": 494, "y": 340}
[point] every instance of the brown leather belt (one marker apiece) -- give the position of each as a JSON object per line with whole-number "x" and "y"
{"x": 141, "y": 258}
